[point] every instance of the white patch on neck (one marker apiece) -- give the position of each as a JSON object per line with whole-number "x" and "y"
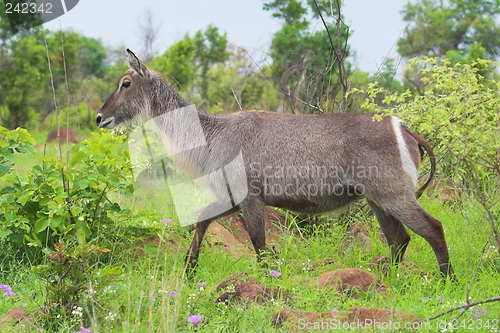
{"x": 406, "y": 160}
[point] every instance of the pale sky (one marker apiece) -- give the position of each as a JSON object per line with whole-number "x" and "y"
{"x": 376, "y": 24}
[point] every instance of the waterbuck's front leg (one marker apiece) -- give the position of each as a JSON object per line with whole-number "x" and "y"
{"x": 208, "y": 214}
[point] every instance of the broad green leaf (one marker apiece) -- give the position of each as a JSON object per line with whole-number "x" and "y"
{"x": 82, "y": 226}
{"x": 4, "y": 233}
{"x": 23, "y": 198}
{"x": 81, "y": 183}
{"x": 41, "y": 224}
{"x": 44, "y": 201}
{"x": 4, "y": 168}
{"x": 77, "y": 157}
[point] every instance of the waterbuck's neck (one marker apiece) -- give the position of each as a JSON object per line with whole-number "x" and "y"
{"x": 163, "y": 97}
{"x": 186, "y": 132}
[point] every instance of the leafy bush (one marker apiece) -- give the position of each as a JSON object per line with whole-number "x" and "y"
{"x": 60, "y": 200}
{"x": 62, "y": 214}
{"x": 458, "y": 113}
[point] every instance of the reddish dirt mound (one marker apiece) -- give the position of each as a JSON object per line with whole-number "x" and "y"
{"x": 231, "y": 235}
{"x": 13, "y": 317}
{"x": 355, "y": 318}
{"x": 243, "y": 289}
{"x": 246, "y": 293}
{"x": 444, "y": 189}
{"x": 172, "y": 242}
{"x": 350, "y": 281}
{"x": 383, "y": 264}
{"x": 358, "y": 235}
{"x": 66, "y": 134}
{"x": 233, "y": 279}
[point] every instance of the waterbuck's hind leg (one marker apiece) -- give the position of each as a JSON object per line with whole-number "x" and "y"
{"x": 394, "y": 231}
{"x": 255, "y": 223}
{"x": 207, "y": 215}
{"x": 412, "y": 215}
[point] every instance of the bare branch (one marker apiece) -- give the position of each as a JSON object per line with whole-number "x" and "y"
{"x": 338, "y": 50}
{"x": 465, "y": 306}
{"x": 236, "y": 99}
{"x": 287, "y": 94}
{"x": 148, "y": 33}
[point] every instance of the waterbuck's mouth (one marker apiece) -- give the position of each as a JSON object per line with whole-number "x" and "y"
{"x": 105, "y": 123}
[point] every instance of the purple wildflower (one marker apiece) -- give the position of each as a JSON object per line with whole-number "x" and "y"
{"x": 166, "y": 221}
{"x": 202, "y": 285}
{"x": 7, "y": 290}
{"x": 173, "y": 294}
{"x": 440, "y": 299}
{"x": 195, "y": 319}
{"x": 84, "y": 330}
{"x": 274, "y": 273}
{"x": 425, "y": 299}
{"x": 479, "y": 313}
{"x": 335, "y": 311}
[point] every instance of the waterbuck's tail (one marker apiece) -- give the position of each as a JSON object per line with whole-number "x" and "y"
{"x": 422, "y": 143}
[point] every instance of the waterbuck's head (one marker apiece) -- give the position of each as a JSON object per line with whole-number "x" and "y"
{"x": 141, "y": 94}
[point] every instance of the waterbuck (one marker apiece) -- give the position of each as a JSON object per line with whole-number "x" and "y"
{"x": 305, "y": 163}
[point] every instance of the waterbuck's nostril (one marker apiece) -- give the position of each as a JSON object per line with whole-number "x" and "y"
{"x": 98, "y": 119}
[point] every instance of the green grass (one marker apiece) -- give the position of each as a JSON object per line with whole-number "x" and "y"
{"x": 138, "y": 300}
{"x": 139, "y": 297}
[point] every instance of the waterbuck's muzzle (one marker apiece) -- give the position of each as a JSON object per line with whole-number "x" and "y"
{"x": 105, "y": 122}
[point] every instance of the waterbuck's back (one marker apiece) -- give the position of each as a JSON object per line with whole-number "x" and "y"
{"x": 318, "y": 163}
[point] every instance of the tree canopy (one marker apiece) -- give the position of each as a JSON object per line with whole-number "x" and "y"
{"x": 302, "y": 75}
{"x": 436, "y": 28}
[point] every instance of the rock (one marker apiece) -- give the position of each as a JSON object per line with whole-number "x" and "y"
{"x": 355, "y": 318}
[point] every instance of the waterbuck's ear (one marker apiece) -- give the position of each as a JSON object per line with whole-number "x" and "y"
{"x": 136, "y": 64}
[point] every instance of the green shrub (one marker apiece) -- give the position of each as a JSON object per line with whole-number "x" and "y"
{"x": 62, "y": 214}
{"x": 457, "y": 111}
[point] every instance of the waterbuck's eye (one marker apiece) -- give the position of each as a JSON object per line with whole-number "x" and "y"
{"x": 126, "y": 84}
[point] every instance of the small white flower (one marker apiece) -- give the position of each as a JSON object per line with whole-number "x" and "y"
{"x": 77, "y": 311}
{"x": 111, "y": 316}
